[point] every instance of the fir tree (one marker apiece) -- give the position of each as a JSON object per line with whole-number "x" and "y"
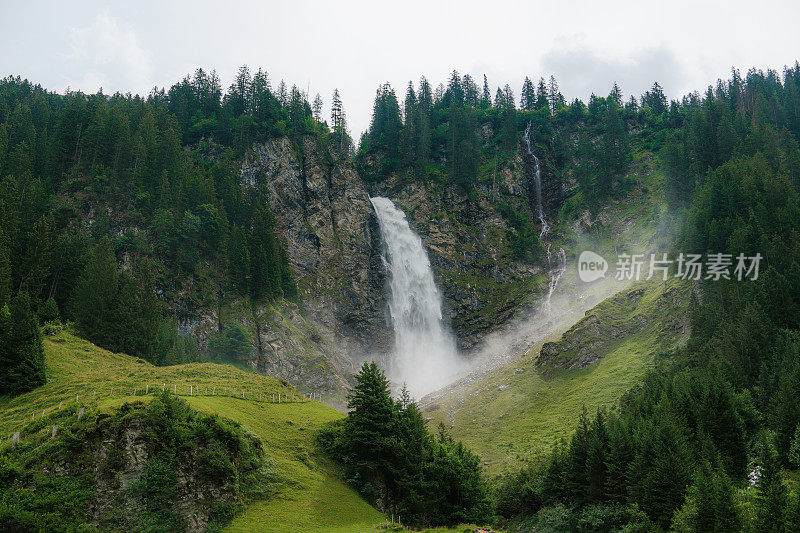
{"x": 541, "y": 96}
{"x": 318, "y": 108}
{"x": 486, "y": 95}
{"x": 771, "y": 502}
{"x": 528, "y": 102}
{"x": 239, "y": 259}
{"x": 21, "y": 350}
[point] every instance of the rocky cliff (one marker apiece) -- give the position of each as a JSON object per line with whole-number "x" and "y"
{"x": 331, "y": 236}
{"x": 469, "y": 240}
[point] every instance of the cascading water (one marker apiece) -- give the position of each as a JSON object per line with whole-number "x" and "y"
{"x": 537, "y": 179}
{"x": 425, "y": 355}
{"x": 555, "y": 274}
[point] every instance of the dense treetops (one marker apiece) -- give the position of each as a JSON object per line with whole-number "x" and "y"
{"x": 108, "y": 200}
{"x": 392, "y": 460}
{"x": 723, "y": 412}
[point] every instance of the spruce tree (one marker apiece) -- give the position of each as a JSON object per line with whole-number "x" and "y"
{"x": 368, "y": 429}
{"x": 541, "y": 96}
{"x": 23, "y": 353}
{"x": 528, "y": 102}
{"x": 318, "y": 108}
{"x": 239, "y": 259}
{"x": 486, "y": 95}
{"x": 772, "y": 499}
{"x": 93, "y": 298}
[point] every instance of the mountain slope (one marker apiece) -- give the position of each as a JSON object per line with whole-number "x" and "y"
{"x": 520, "y": 410}
{"x": 307, "y": 493}
{"x": 514, "y": 407}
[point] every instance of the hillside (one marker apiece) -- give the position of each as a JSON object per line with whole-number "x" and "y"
{"x": 599, "y": 339}
{"x": 517, "y": 412}
{"x": 306, "y": 493}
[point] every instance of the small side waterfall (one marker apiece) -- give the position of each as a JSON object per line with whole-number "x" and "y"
{"x": 558, "y": 271}
{"x": 425, "y": 355}
{"x": 537, "y": 179}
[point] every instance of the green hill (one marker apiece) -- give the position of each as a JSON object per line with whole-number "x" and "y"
{"x": 306, "y": 494}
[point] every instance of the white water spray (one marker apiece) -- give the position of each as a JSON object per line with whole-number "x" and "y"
{"x": 425, "y": 355}
{"x": 555, "y": 275}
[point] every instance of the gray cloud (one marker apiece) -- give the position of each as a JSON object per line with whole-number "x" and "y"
{"x": 581, "y": 71}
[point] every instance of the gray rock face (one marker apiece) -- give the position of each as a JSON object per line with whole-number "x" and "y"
{"x": 331, "y": 236}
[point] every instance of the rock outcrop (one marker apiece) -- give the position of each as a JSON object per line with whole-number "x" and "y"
{"x": 660, "y": 308}
{"x": 332, "y": 240}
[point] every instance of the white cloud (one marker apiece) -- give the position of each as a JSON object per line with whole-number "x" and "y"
{"x": 108, "y": 54}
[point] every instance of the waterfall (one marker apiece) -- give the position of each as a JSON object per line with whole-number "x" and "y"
{"x": 425, "y": 356}
{"x": 555, "y": 274}
{"x": 537, "y": 180}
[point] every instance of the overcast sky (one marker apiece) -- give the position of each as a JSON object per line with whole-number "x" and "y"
{"x": 587, "y": 45}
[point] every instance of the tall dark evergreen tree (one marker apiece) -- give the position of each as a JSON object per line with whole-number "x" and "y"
{"x": 22, "y": 365}
{"x": 528, "y": 102}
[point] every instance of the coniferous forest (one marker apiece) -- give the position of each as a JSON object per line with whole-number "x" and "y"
{"x": 118, "y": 209}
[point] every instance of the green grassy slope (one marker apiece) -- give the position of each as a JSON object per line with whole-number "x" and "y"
{"x": 309, "y": 494}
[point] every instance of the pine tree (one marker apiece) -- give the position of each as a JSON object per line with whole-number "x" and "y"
{"x": 528, "y": 102}
{"x": 771, "y": 501}
{"x": 22, "y": 353}
{"x": 318, "y": 108}
{"x": 283, "y": 94}
{"x": 541, "y": 96}
{"x": 709, "y": 505}
{"x": 486, "y": 95}
{"x": 794, "y": 449}
{"x": 616, "y": 95}
{"x": 554, "y": 96}
{"x": 239, "y": 259}
{"x": 596, "y": 456}
{"x": 368, "y": 429}
{"x": 470, "y": 91}
{"x": 96, "y": 289}
{"x": 5, "y": 273}
{"x": 499, "y": 99}
{"x": 336, "y": 111}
